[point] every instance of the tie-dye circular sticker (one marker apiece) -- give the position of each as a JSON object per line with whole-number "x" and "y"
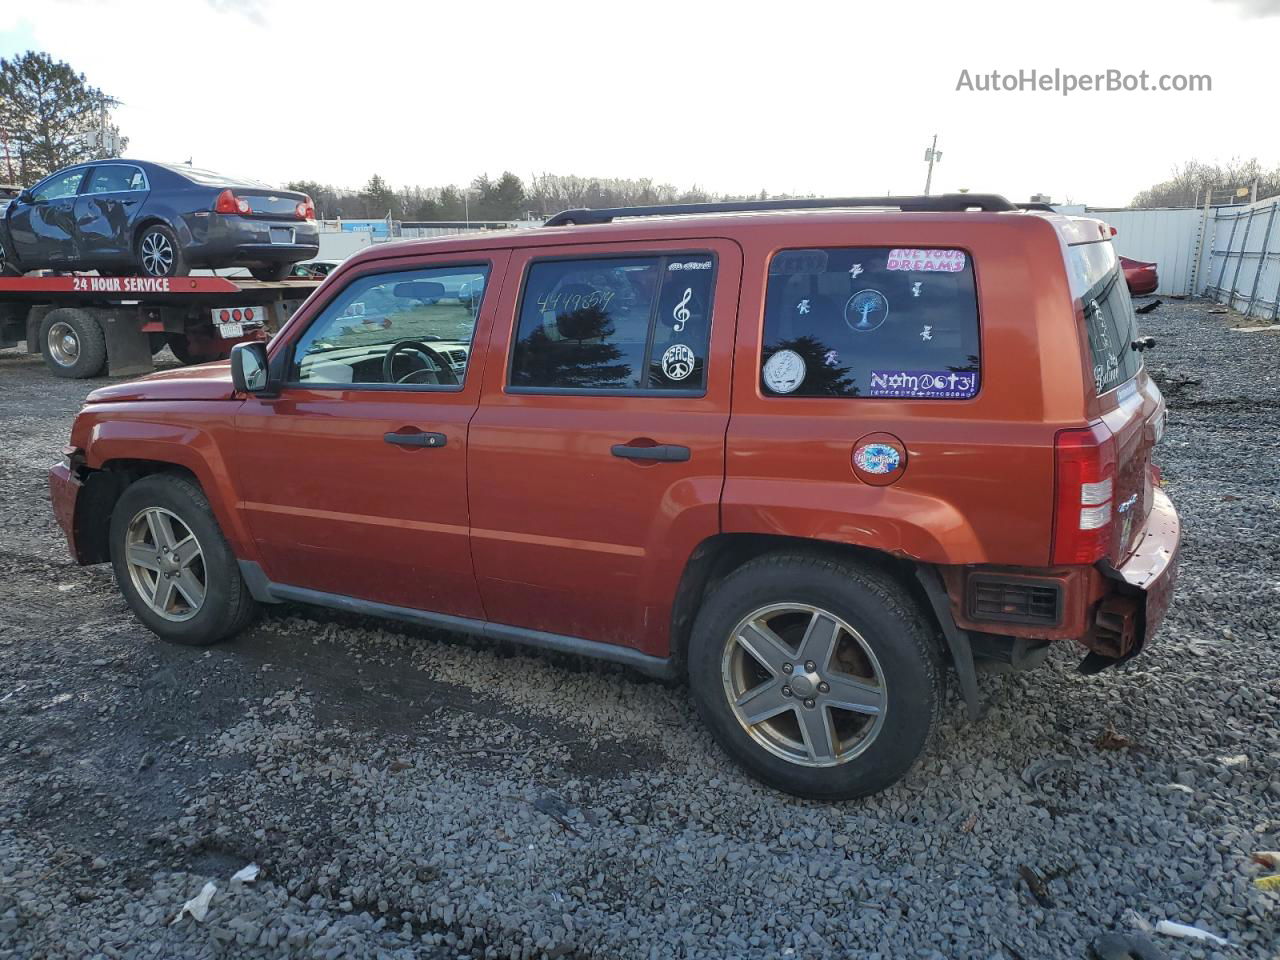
{"x": 877, "y": 458}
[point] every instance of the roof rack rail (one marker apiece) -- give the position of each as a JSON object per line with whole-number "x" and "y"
{"x": 1036, "y": 205}
{"x": 943, "y": 203}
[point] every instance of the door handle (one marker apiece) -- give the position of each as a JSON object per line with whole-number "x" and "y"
{"x": 666, "y": 451}
{"x": 416, "y": 439}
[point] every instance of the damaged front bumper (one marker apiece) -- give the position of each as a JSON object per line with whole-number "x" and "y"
{"x": 64, "y": 491}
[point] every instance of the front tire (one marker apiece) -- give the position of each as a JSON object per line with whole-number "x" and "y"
{"x": 7, "y": 267}
{"x": 820, "y": 676}
{"x": 174, "y": 566}
{"x": 273, "y": 273}
{"x": 159, "y": 254}
{"x": 72, "y": 343}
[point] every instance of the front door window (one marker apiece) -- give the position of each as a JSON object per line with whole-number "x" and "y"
{"x": 410, "y": 329}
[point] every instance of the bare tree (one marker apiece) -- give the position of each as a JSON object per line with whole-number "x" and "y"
{"x": 1190, "y": 181}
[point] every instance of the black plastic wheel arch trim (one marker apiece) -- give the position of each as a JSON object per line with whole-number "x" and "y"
{"x": 957, "y": 639}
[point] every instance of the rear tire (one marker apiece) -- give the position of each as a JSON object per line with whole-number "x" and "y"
{"x": 882, "y": 657}
{"x": 272, "y": 274}
{"x": 158, "y": 253}
{"x": 181, "y": 349}
{"x": 173, "y": 565}
{"x": 72, "y": 343}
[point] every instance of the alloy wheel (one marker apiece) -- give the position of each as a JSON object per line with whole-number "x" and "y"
{"x": 166, "y": 563}
{"x": 804, "y": 684}
{"x": 157, "y": 254}
{"x": 64, "y": 344}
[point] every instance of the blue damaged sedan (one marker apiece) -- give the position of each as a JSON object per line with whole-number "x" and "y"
{"x": 125, "y": 217}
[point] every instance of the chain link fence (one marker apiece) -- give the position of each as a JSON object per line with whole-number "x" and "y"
{"x": 1240, "y": 266}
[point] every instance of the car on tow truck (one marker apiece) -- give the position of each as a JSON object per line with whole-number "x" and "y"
{"x": 811, "y": 456}
{"x": 122, "y": 217}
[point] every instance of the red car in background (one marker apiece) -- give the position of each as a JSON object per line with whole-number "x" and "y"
{"x": 1141, "y": 276}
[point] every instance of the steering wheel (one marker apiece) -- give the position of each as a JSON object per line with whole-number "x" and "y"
{"x": 443, "y": 373}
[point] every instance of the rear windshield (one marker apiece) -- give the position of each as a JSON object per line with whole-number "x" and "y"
{"x": 207, "y": 178}
{"x": 1108, "y": 313}
{"x": 871, "y": 322}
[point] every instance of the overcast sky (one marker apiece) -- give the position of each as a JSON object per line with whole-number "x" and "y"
{"x": 831, "y": 98}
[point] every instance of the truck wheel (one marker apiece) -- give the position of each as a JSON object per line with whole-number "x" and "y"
{"x": 72, "y": 343}
{"x": 159, "y": 254}
{"x": 173, "y": 565}
{"x": 180, "y": 347}
{"x": 272, "y": 274}
{"x": 820, "y": 676}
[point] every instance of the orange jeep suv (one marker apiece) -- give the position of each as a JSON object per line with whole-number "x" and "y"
{"x": 807, "y": 454}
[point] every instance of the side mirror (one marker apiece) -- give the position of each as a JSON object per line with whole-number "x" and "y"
{"x": 249, "y": 368}
{"x": 26, "y": 197}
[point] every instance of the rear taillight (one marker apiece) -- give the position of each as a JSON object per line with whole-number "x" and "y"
{"x": 1085, "y": 490}
{"x": 306, "y": 209}
{"x": 228, "y": 202}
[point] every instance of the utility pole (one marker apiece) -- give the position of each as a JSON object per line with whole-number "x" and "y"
{"x": 931, "y": 154}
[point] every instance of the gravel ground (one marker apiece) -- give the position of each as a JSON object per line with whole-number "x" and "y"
{"x": 413, "y": 794}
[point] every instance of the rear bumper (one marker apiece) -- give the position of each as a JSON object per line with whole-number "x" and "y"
{"x": 1112, "y": 611}
{"x": 1148, "y": 577}
{"x": 227, "y": 241}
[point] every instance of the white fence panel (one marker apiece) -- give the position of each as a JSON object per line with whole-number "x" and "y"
{"x": 1170, "y": 238}
{"x": 339, "y": 246}
{"x": 1242, "y": 258}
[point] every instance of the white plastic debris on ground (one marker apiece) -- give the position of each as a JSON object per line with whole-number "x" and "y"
{"x": 1171, "y": 929}
{"x": 246, "y": 874}
{"x": 198, "y": 906}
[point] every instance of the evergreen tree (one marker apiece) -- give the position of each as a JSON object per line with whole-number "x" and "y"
{"x": 47, "y": 111}
{"x": 379, "y": 199}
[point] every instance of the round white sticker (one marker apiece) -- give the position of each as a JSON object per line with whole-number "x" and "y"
{"x": 677, "y": 361}
{"x": 784, "y": 371}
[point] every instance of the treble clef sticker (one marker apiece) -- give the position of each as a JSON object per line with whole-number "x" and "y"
{"x": 681, "y": 313}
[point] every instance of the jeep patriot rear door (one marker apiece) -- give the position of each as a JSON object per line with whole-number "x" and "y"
{"x": 596, "y": 458}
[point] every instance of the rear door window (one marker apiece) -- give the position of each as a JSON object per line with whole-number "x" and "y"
{"x": 871, "y": 322}
{"x": 1108, "y": 314}
{"x": 615, "y": 324}
{"x": 116, "y": 178}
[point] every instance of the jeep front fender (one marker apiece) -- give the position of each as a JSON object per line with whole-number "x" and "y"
{"x": 106, "y": 436}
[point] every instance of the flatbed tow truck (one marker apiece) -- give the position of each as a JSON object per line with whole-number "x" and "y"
{"x": 84, "y": 324}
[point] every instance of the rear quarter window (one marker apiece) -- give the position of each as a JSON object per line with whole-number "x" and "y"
{"x": 871, "y": 322}
{"x": 1109, "y": 320}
